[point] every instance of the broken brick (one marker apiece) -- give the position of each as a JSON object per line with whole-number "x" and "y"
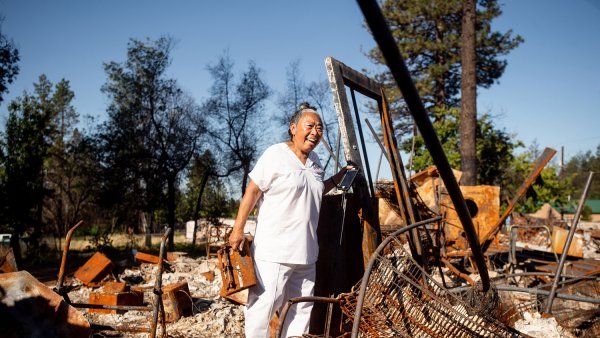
{"x": 94, "y": 270}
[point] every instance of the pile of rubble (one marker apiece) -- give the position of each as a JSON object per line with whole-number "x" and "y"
{"x": 204, "y": 312}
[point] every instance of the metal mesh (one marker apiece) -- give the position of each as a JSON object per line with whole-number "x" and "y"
{"x": 403, "y": 300}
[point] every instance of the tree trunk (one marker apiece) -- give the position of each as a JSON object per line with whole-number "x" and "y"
{"x": 171, "y": 211}
{"x": 199, "y": 204}
{"x": 147, "y": 230}
{"x": 468, "y": 114}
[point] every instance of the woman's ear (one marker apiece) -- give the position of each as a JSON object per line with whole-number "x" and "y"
{"x": 293, "y": 129}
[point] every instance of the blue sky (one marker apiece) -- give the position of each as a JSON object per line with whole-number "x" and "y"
{"x": 550, "y": 91}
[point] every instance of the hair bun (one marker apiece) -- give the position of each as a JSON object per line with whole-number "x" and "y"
{"x": 306, "y": 105}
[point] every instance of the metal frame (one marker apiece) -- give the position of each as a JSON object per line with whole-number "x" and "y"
{"x": 341, "y": 76}
{"x": 156, "y": 307}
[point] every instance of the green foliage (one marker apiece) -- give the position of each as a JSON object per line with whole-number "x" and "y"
{"x": 586, "y": 213}
{"x": 215, "y": 202}
{"x": 9, "y": 57}
{"x": 495, "y": 146}
{"x": 30, "y": 133}
{"x": 428, "y": 36}
{"x": 579, "y": 167}
{"x": 152, "y": 132}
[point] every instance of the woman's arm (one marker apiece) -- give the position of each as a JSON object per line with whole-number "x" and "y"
{"x": 248, "y": 202}
{"x": 334, "y": 180}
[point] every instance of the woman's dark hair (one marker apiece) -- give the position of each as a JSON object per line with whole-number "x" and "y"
{"x": 298, "y": 114}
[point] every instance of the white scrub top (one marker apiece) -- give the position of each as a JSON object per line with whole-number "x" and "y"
{"x": 286, "y": 229}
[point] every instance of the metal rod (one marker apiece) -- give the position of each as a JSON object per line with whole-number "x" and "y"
{"x": 379, "y": 143}
{"x": 362, "y": 142}
{"x": 563, "y": 256}
{"x": 365, "y": 281}
{"x": 63, "y": 261}
{"x": 337, "y": 150}
{"x": 158, "y": 286}
{"x": 533, "y": 291}
{"x": 378, "y": 167}
{"x": 292, "y": 301}
{"x": 111, "y": 307}
{"x": 395, "y": 61}
{"x": 513, "y": 245}
{"x": 119, "y": 328}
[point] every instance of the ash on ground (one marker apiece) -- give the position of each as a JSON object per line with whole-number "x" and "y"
{"x": 213, "y": 316}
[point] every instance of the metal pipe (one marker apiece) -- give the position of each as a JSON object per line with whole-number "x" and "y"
{"x": 362, "y": 142}
{"x": 111, "y": 307}
{"x": 513, "y": 244}
{"x": 337, "y": 150}
{"x": 119, "y": 328}
{"x": 563, "y": 256}
{"x": 395, "y": 61}
{"x": 63, "y": 261}
{"x": 457, "y": 272}
{"x": 158, "y": 286}
{"x": 378, "y": 167}
{"x": 535, "y": 292}
{"x": 367, "y": 275}
{"x": 293, "y": 301}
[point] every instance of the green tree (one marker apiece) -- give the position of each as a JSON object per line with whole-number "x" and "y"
{"x": 495, "y": 147}
{"x": 29, "y": 134}
{"x": 9, "y": 57}
{"x": 578, "y": 168}
{"x": 153, "y": 129}
{"x": 428, "y": 36}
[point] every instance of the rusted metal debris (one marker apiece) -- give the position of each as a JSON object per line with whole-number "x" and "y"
{"x": 116, "y": 297}
{"x": 237, "y": 269}
{"x": 114, "y": 293}
{"x": 7, "y": 260}
{"x": 177, "y": 301}
{"x": 28, "y": 308}
{"x": 94, "y": 270}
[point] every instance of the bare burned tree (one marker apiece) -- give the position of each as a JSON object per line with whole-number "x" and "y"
{"x": 236, "y": 111}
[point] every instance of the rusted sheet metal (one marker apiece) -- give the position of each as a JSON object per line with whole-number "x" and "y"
{"x": 237, "y": 269}
{"x": 429, "y": 185}
{"x": 240, "y": 297}
{"x": 483, "y": 202}
{"x": 177, "y": 301}
{"x": 559, "y": 238}
{"x": 538, "y": 166}
{"x": 7, "y": 260}
{"x": 29, "y": 308}
{"x": 94, "y": 270}
{"x": 114, "y": 287}
{"x": 116, "y": 294}
{"x": 143, "y": 257}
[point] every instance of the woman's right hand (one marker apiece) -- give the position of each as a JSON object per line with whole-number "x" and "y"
{"x": 236, "y": 239}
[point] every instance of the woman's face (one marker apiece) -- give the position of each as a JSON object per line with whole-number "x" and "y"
{"x": 307, "y": 133}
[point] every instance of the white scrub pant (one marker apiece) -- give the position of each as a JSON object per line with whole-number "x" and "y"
{"x": 276, "y": 284}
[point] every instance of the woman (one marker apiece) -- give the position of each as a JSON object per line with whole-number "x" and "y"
{"x": 289, "y": 178}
